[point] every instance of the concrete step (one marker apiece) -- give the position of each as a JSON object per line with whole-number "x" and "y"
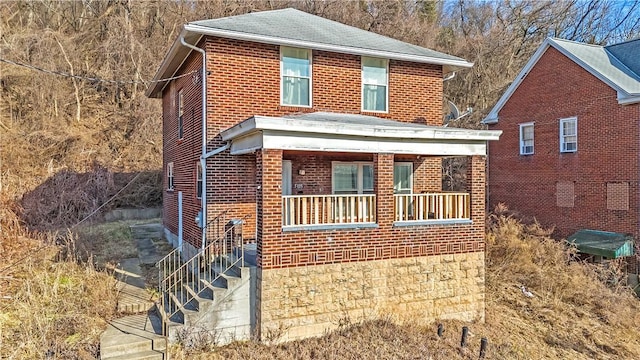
{"x": 131, "y": 335}
{"x": 142, "y": 355}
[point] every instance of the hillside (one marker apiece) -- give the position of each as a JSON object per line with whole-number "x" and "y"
{"x": 577, "y": 311}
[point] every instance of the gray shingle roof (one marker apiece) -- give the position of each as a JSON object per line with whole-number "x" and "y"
{"x": 296, "y": 28}
{"x": 616, "y": 65}
{"x": 298, "y": 25}
{"x": 606, "y": 63}
{"x": 628, "y": 53}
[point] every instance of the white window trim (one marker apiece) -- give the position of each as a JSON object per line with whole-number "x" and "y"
{"x": 180, "y": 114}
{"x": 310, "y": 52}
{"x": 362, "y": 84}
{"x": 522, "y": 126}
{"x": 170, "y": 177}
{"x": 359, "y": 182}
{"x": 562, "y": 135}
{"x": 404, "y": 163}
{"x": 198, "y": 178}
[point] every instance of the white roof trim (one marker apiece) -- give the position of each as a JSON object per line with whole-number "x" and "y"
{"x": 258, "y": 123}
{"x": 313, "y": 135}
{"x": 492, "y": 118}
{"x": 327, "y": 47}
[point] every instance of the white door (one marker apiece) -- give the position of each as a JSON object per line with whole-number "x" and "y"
{"x": 286, "y": 177}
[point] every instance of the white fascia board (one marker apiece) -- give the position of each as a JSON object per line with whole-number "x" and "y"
{"x": 492, "y": 118}
{"x": 247, "y": 144}
{"x": 166, "y": 70}
{"x": 305, "y": 126}
{"x": 453, "y": 64}
{"x": 317, "y": 142}
{"x": 626, "y": 99}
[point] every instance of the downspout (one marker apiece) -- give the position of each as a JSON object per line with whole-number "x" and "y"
{"x": 203, "y": 159}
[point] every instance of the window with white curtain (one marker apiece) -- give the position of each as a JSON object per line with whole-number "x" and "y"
{"x": 569, "y": 135}
{"x": 170, "y": 176}
{"x": 402, "y": 178}
{"x": 352, "y": 177}
{"x": 526, "y": 139}
{"x": 375, "y": 82}
{"x": 295, "y": 70}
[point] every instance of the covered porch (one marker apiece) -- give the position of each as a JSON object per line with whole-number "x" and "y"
{"x": 332, "y": 171}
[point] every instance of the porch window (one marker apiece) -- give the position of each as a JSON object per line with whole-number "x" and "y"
{"x": 180, "y": 115}
{"x": 352, "y": 177}
{"x": 403, "y": 178}
{"x": 295, "y": 70}
{"x": 569, "y": 135}
{"x": 374, "y": 84}
{"x": 170, "y": 176}
{"x": 526, "y": 139}
{"x": 199, "y": 180}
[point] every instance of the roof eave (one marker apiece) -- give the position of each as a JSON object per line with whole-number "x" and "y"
{"x": 260, "y": 123}
{"x": 626, "y": 99}
{"x": 451, "y": 65}
{"x": 168, "y": 66}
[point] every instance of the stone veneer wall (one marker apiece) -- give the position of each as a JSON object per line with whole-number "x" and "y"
{"x": 307, "y": 301}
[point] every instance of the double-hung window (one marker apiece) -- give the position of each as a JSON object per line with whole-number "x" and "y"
{"x": 352, "y": 177}
{"x": 170, "y": 176}
{"x": 402, "y": 178}
{"x": 199, "y": 180}
{"x": 569, "y": 135}
{"x": 180, "y": 114}
{"x": 375, "y": 82}
{"x": 526, "y": 139}
{"x": 295, "y": 82}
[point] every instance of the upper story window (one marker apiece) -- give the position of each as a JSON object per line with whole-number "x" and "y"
{"x": 375, "y": 81}
{"x": 526, "y": 139}
{"x": 180, "y": 114}
{"x": 295, "y": 70}
{"x": 170, "y": 176}
{"x": 402, "y": 178}
{"x": 352, "y": 177}
{"x": 569, "y": 135}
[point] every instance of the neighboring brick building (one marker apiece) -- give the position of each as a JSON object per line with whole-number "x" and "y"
{"x": 570, "y": 150}
{"x": 329, "y": 137}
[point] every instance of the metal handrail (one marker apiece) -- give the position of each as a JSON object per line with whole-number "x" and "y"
{"x": 201, "y": 271}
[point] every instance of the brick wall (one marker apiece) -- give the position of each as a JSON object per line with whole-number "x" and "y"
{"x": 608, "y": 148}
{"x": 244, "y": 80}
{"x": 281, "y": 249}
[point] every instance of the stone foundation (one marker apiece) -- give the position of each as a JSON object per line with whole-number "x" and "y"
{"x": 307, "y": 301}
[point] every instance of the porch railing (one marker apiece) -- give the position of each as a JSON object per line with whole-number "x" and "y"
{"x": 328, "y": 209}
{"x": 434, "y": 206}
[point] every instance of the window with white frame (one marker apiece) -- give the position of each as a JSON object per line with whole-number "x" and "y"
{"x": 352, "y": 177}
{"x": 569, "y": 135}
{"x": 295, "y": 70}
{"x": 526, "y": 139}
{"x": 180, "y": 115}
{"x": 375, "y": 81}
{"x": 199, "y": 180}
{"x": 170, "y": 176}
{"x": 402, "y": 178}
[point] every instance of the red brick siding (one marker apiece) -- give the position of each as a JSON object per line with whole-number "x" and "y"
{"x": 184, "y": 153}
{"x": 244, "y": 80}
{"x": 608, "y": 148}
{"x": 279, "y": 249}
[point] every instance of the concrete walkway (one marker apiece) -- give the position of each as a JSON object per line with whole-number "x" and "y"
{"x": 139, "y": 336}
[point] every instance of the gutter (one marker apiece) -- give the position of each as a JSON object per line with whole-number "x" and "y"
{"x": 203, "y": 162}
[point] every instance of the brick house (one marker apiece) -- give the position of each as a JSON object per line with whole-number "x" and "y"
{"x": 570, "y": 150}
{"x": 326, "y": 140}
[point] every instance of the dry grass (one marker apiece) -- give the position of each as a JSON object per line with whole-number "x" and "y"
{"x": 573, "y": 314}
{"x": 106, "y": 243}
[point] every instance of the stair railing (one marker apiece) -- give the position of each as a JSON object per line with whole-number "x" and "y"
{"x": 205, "y": 268}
